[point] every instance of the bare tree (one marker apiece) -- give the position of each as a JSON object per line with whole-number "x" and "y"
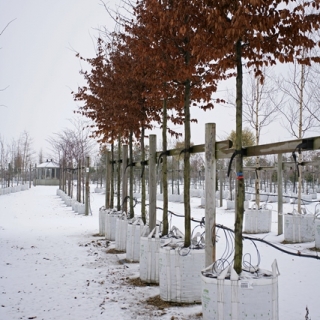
{"x": 300, "y": 109}
{"x": 15, "y": 158}
{"x": 301, "y": 112}
{"x": 72, "y": 145}
{"x": 260, "y": 108}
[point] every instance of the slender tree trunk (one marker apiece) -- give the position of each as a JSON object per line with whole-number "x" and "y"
{"x": 119, "y": 175}
{"x": 239, "y": 165}
{"x": 257, "y": 179}
{"x": 87, "y": 195}
{"x": 164, "y": 171}
{"x": 186, "y": 172}
{"x": 69, "y": 179}
{"x": 131, "y": 174}
{"x": 112, "y": 177}
{"x": 302, "y": 83}
{"x": 108, "y": 180}
{"x": 124, "y": 178}
{"x": 143, "y": 180}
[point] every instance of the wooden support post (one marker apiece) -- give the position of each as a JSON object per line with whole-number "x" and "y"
{"x": 108, "y": 180}
{"x": 152, "y": 181}
{"x": 210, "y": 192}
{"x": 124, "y": 178}
{"x": 86, "y": 208}
{"x": 280, "y": 195}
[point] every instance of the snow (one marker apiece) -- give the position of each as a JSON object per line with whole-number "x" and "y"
{"x": 54, "y": 266}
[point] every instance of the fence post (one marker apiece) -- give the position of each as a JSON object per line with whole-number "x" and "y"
{"x": 124, "y": 177}
{"x": 210, "y": 192}
{"x": 152, "y": 181}
{"x": 280, "y": 195}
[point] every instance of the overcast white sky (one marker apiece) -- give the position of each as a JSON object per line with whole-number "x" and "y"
{"x": 39, "y": 68}
{"x": 38, "y": 65}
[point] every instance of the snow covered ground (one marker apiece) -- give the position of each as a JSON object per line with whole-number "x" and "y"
{"x": 53, "y": 266}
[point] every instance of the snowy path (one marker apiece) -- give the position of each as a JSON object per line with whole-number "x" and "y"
{"x": 53, "y": 267}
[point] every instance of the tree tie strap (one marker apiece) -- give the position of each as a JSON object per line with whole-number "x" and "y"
{"x": 242, "y": 152}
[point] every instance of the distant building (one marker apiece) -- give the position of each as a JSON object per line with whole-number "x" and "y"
{"x": 47, "y": 174}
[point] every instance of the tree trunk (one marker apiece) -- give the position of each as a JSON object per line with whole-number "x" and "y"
{"x": 131, "y": 210}
{"x": 186, "y": 172}
{"x": 108, "y": 180}
{"x": 164, "y": 171}
{"x": 257, "y": 179}
{"x": 112, "y": 177}
{"x": 79, "y": 181}
{"x": 302, "y": 82}
{"x": 143, "y": 180}
{"x": 86, "y": 206}
{"x": 239, "y": 165}
{"x": 119, "y": 175}
{"x": 124, "y": 178}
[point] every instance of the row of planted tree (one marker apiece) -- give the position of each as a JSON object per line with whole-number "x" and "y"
{"x": 172, "y": 55}
{"x": 191, "y": 272}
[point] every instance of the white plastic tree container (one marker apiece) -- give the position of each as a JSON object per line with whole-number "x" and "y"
{"x": 257, "y": 221}
{"x": 228, "y": 296}
{"x": 135, "y": 230}
{"x": 121, "y": 233}
{"x": 317, "y": 232}
{"x": 102, "y": 221}
{"x": 110, "y": 221}
{"x": 149, "y": 252}
{"x": 180, "y": 271}
{"x": 299, "y": 228}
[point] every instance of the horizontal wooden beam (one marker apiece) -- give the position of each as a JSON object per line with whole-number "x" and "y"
{"x": 224, "y": 149}
{"x": 273, "y": 148}
{"x": 220, "y": 145}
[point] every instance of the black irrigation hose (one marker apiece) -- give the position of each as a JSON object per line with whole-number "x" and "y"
{"x": 126, "y": 199}
{"x": 284, "y": 196}
{"x": 202, "y": 222}
{"x": 181, "y": 216}
{"x": 272, "y": 245}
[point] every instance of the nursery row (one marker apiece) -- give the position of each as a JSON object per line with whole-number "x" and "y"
{"x": 71, "y": 202}
{"x": 181, "y": 273}
{"x": 20, "y": 187}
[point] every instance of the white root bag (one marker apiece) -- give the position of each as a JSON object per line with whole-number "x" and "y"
{"x": 102, "y": 221}
{"x": 149, "y": 257}
{"x": 110, "y": 224}
{"x": 149, "y": 252}
{"x": 299, "y": 228}
{"x": 121, "y": 233}
{"x": 252, "y": 296}
{"x": 75, "y": 206}
{"x": 317, "y": 232}
{"x": 257, "y": 221}
{"x": 135, "y": 230}
{"x": 179, "y": 274}
{"x": 81, "y": 208}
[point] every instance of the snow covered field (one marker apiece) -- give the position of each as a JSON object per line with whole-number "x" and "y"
{"x": 53, "y": 266}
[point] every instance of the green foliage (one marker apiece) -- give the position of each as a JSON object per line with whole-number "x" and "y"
{"x": 248, "y": 138}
